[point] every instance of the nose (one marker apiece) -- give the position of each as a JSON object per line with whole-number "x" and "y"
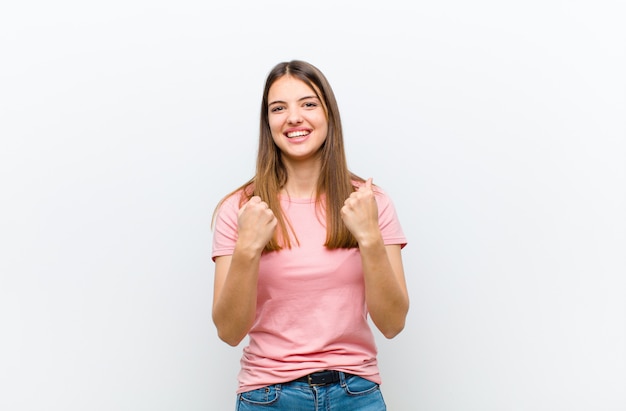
{"x": 294, "y": 117}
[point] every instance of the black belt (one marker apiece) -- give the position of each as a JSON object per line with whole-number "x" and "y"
{"x": 321, "y": 378}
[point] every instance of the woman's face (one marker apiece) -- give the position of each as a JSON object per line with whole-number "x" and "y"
{"x": 297, "y": 119}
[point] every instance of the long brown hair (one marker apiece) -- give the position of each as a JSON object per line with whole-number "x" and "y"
{"x": 335, "y": 182}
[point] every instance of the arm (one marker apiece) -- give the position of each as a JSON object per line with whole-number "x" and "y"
{"x": 235, "y": 289}
{"x": 386, "y": 293}
{"x": 385, "y": 288}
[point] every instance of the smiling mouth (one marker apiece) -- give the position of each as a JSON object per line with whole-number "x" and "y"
{"x": 298, "y": 133}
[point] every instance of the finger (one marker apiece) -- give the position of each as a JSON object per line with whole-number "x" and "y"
{"x": 254, "y": 200}
{"x": 250, "y": 202}
{"x": 367, "y": 186}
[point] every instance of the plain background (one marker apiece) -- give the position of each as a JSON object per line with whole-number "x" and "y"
{"x": 498, "y": 128}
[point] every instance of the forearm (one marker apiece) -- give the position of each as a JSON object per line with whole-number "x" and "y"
{"x": 234, "y": 307}
{"x": 385, "y": 294}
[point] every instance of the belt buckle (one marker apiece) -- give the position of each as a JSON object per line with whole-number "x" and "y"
{"x": 312, "y": 384}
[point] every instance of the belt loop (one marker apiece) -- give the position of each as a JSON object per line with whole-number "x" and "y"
{"x": 342, "y": 378}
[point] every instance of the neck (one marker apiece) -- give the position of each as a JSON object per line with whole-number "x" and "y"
{"x": 302, "y": 180}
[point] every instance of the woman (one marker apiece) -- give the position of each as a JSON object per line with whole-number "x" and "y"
{"x": 303, "y": 252}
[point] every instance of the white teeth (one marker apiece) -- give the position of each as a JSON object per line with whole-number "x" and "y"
{"x": 297, "y": 134}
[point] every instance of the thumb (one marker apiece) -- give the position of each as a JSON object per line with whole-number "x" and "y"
{"x": 368, "y": 183}
{"x": 251, "y": 201}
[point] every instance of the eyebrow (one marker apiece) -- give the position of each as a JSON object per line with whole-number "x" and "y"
{"x": 300, "y": 99}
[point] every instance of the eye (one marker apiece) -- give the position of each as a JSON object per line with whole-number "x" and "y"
{"x": 277, "y": 109}
{"x": 310, "y": 104}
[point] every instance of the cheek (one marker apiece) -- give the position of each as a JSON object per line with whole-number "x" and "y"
{"x": 324, "y": 122}
{"x": 324, "y": 127}
{"x": 275, "y": 126}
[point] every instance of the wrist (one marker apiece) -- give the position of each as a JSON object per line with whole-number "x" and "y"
{"x": 370, "y": 241}
{"x": 248, "y": 250}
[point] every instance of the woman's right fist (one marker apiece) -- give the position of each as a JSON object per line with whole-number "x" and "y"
{"x": 256, "y": 223}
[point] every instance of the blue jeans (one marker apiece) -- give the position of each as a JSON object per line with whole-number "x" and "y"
{"x": 350, "y": 393}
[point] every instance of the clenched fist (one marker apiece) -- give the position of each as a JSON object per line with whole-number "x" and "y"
{"x": 360, "y": 213}
{"x": 256, "y": 224}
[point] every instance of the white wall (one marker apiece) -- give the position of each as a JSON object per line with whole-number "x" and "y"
{"x": 497, "y": 128}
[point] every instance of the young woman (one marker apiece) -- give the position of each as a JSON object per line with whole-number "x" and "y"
{"x": 303, "y": 253}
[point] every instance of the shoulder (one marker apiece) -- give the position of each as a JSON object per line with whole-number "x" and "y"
{"x": 234, "y": 199}
{"x": 228, "y": 207}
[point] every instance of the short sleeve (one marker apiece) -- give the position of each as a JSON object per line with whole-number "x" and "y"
{"x": 225, "y": 231}
{"x": 388, "y": 221}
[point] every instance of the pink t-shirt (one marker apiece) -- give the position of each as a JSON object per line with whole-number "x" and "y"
{"x": 311, "y": 312}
